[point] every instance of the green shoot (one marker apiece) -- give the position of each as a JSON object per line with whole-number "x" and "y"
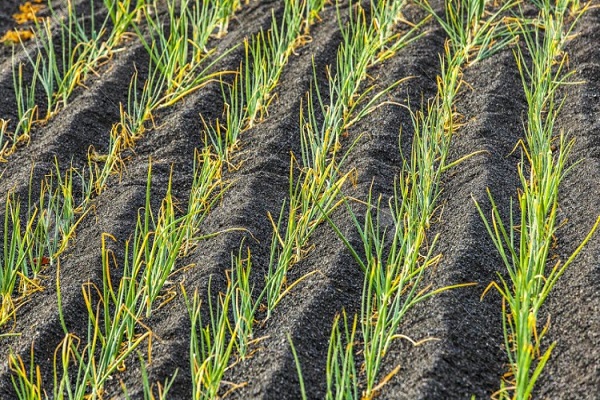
{"x": 26, "y": 108}
{"x": 211, "y": 346}
{"x": 244, "y": 308}
{"x": 122, "y": 15}
{"x": 341, "y": 372}
{"x": 27, "y": 383}
{"x": 162, "y": 389}
{"x": 298, "y": 368}
{"x": 471, "y": 36}
{"x": 178, "y": 47}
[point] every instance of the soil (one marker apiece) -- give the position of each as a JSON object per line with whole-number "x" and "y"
{"x": 466, "y": 357}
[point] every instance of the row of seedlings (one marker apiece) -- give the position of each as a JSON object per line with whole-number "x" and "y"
{"x": 238, "y": 298}
{"x": 32, "y": 238}
{"x": 396, "y": 257}
{"x": 211, "y": 346}
{"x": 58, "y": 68}
{"x": 313, "y": 194}
{"x": 82, "y": 367}
{"x": 247, "y": 99}
{"x": 180, "y": 63}
{"x": 526, "y": 243}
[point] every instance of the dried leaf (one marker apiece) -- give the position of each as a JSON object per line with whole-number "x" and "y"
{"x": 27, "y": 12}
{"x": 16, "y": 36}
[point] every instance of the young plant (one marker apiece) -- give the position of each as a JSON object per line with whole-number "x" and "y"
{"x": 34, "y": 239}
{"x": 123, "y": 14}
{"x": 156, "y": 246}
{"x": 178, "y": 46}
{"x": 312, "y": 198}
{"x": 14, "y": 257}
{"x": 473, "y": 35}
{"x": 27, "y": 382}
{"x": 60, "y": 72}
{"x": 207, "y": 190}
{"x": 211, "y": 346}
{"x": 244, "y": 306}
{"x": 113, "y": 325}
{"x": 341, "y": 371}
{"x": 26, "y": 108}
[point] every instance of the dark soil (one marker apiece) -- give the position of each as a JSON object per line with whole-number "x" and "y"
{"x": 467, "y": 356}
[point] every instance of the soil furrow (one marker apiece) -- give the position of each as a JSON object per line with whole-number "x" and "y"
{"x": 98, "y": 110}
{"x": 466, "y": 357}
{"x": 85, "y": 122}
{"x": 39, "y": 322}
{"x": 18, "y": 54}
